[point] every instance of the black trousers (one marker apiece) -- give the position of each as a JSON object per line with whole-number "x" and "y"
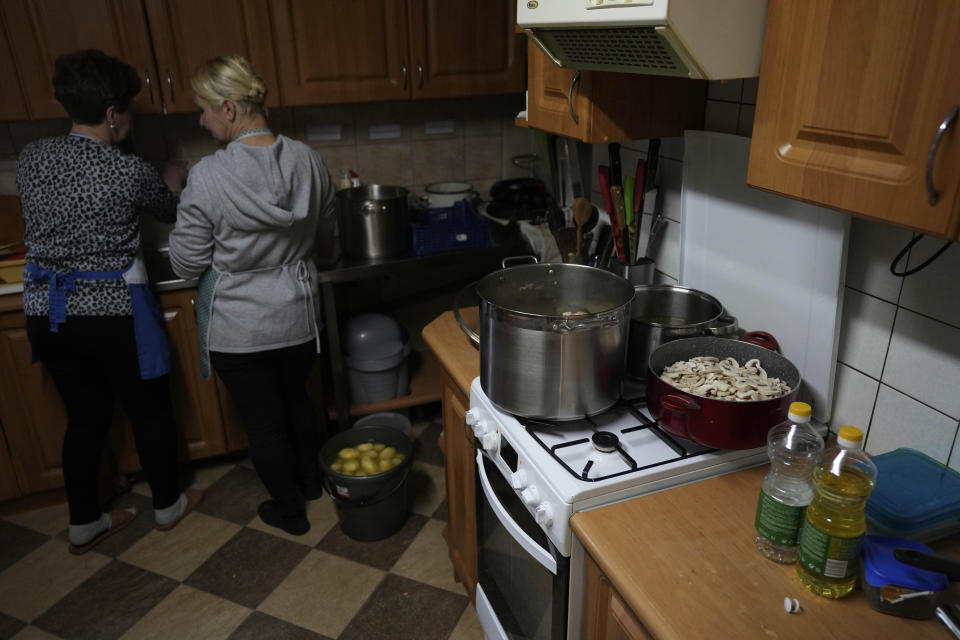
{"x": 269, "y": 389}
{"x": 93, "y": 359}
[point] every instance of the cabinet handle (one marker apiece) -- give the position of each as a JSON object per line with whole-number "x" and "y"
{"x": 573, "y": 84}
{"x": 420, "y": 73}
{"x": 146, "y": 81}
{"x": 173, "y": 100}
{"x": 403, "y": 75}
{"x": 932, "y": 195}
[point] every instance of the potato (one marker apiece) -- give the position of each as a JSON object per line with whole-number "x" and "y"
{"x": 387, "y": 453}
{"x": 365, "y": 446}
{"x": 348, "y": 453}
{"x": 351, "y": 465}
{"x": 386, "y": 465}
{"x": 369, "y": 465}
{"x": 378, "y": 447}
{"x": 337, "y": 466}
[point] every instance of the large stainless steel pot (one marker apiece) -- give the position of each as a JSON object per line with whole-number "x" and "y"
{"x": 552, "y": 339}
{"x": 661, "y": 313}
{"x": 374, "y": 221}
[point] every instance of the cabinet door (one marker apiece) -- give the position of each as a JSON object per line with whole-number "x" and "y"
{"x": 555, "y": 101}
{"x": 9, "y": 487}
{"x": 605, "y": 615}
{"x": 461, "y": 528}
{"x": 42, "y": 30}
{"x": 195, "y": 401}
{"x": 30, "y": 407}
{"x": 329, "y": 51}
{"x": 464, "y": 48}
{"x": 12, "y": 104}
{"x": 186, "y": 33}
{"x": 851, "y": 95}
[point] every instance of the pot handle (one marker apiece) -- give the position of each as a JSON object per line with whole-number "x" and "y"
{"x": 474, "y": 338}
{"x": 509, "y": 261}
{"x": 761, "y": 339}
{"x": 679, "y": 404}
{"x": 726, "y": 325}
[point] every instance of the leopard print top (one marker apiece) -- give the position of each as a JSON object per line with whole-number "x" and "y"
{"x": 81, "y": 201}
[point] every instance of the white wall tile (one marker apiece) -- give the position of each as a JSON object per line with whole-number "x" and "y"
{"x": 924, "y": 361}
{"x": 934, "y": 290}
{"x": 865, "y": 327}
{"x": 954, "y": 461}
{"x": 671, "y": 181}
{"x": 666, "y": 249}
{"x": 721, "y": 116}
{"x": 901, "y": 421}
{"x": 725, "y": 90}
{"x": 853, "y": 400}
{"x": 872, "y": 247}
{"x": 671, "y": 148}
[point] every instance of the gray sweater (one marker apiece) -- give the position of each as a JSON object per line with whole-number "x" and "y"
{"x": 252, "y": 214}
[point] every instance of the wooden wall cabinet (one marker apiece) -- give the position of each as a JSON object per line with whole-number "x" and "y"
{"x": 851, "y": 96}
{"x": 605, "y": 615}
{"x": 13, "y": 106}
{"x": 376, "y": 50}
{"x": 162, "y": 39}
{"x": 599, "y": 106}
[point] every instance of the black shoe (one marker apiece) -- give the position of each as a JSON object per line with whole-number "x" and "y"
{"x": 311, "y": 489}
{"x": 294, "y": 525}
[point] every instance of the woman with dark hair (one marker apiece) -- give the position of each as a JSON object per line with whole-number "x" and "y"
{"x": 91, "y": 317}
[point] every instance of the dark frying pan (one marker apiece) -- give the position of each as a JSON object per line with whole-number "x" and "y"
{"x": 712, "y": 422}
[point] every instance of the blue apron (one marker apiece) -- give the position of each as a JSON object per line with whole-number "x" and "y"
{"x": 153, "y": 349}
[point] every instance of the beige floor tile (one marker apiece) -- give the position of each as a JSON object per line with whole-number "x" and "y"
{"x": 426, "y": 559}
{"x": 32, "y": 633}
{"x": 189, "y": 613}
{"x": 49, "y": 520}
{"x": 205, "y": 476}
{"x": 468, "y": 628}
{"x": 46, "y": 574}
{"x": 323, "y": 593}
{"x": 177, "y": 553}
{"x": 429, "y": 483}
{"x": 320, "y": 513}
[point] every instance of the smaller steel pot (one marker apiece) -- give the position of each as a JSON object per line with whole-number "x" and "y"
{"x": 374, "y": 221}
{"x": 712, "y": 422}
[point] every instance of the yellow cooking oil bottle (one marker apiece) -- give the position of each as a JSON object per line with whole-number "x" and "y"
{"x": 834, "y": 524}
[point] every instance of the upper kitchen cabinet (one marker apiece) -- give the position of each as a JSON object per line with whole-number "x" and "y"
{"x": 854, "y": 109}
{"x": 162, "y": 39}
{"x": 12, "y": 104}
{"x": 374, "y": 50}
{"x": 601, "y": 106}
{"x": 41, "y": 30}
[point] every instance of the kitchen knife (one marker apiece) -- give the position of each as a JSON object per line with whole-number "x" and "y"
{"x": 639, "y": 181}
{"x": 615, "y": 174}
{"x": 628, "y": 185}
{"x": 616, "y": 195}
{"x": 607, "y": 191}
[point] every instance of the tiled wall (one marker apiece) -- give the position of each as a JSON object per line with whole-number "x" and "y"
{"x": 898, "y": 361}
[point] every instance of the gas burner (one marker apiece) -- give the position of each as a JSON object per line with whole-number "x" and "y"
{"x": 605, "y": 441}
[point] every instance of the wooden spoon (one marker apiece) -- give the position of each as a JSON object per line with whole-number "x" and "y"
{"x": 582, "y": 210}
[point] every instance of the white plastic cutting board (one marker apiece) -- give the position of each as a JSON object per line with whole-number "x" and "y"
{"x": 773, "y": 262}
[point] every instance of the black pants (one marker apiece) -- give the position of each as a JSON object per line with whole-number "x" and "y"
{"x": 269, "y": 389}
{"x": 92, "y": 360}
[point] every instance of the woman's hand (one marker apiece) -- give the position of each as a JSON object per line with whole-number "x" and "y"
{"x": 175, "y": 175}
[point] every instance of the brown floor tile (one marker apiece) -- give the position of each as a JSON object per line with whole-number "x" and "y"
{"x": 107, "y": 604}
{"x": 189, "y": 614}
{"x": 258, "y": 626}
{"x": 427, "y": 449}
{"x": 441, "y": 512}
{"x": 49, "y": 520}
{"x": 235, "y": 496}
{"x": 426, "y": 559}
{"x": 381, "y": 554}
{"x": 322, "y": 593}
{"x": 29, "y": 587}
{"x": 10, "y": 626}
{"x": 16, "y": 542}
{"x": 180, "y": 551}
{"x": 248, "y": 567}
{"x": 33, "y": 633}
{"x": 468, "y": 627}
{"x": 426, "y": 486}
{"x": 402, "y": 609}
{"x": 321, "y": 515}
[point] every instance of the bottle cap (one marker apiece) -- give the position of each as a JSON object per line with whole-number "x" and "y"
{"x": 800, "y": 409}
{"x": 849, "y": 437}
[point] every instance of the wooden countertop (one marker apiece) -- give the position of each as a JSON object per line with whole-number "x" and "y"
{"x": 456, "y": 353}
{"x": 684, "y": 561}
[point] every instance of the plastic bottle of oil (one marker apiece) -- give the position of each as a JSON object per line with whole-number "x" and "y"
{"x": 794, "y": 448}
{"x": 833, "y": 528}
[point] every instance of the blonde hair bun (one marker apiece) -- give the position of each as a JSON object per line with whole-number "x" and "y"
{"x": 230, "y": 78}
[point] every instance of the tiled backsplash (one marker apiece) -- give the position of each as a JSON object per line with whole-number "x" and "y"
{"x": 898, "y": 361}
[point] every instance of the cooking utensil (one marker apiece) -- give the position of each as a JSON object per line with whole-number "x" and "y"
{"x": 712, "y": 422}
{"x": 374, "y": 221}
{"x": 552, "y": 339}
{"x": 619, "y": 231}
{"x": 601, "y": 258}
{"x": 616, "y": 178}
{"x": 638, "y": 193}
{"x": 567, "y": 239}
{"x": 582, "y": 210}
{"x": 606, "y": 190}
{"x": 447, "y": 194}
{"x": 628, "y": 182}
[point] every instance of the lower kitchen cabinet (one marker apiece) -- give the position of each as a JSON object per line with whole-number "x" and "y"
{"x": 9, "y": 487}
{"x": 605, "y": 615}
{"x": 456, "y": 443}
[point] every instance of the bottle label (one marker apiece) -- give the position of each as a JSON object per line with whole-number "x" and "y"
{"x": 828, "y": 556}
{"x": 777, "y": 522}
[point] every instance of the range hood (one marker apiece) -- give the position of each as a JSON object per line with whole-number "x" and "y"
{"x": 706, "y": 39}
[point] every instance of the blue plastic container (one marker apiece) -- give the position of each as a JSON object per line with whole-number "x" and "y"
{"x": 449, "y": 228}
{"x": 893, "y": 587}
{"x": 916, "y": 497}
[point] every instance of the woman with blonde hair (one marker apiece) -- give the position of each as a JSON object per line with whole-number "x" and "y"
{"x": 246, "y": 225}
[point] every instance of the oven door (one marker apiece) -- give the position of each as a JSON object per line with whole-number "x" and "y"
{"x": 523, "y": 579}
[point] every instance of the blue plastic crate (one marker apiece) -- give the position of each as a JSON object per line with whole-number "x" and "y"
{"x": 450, "y": 228}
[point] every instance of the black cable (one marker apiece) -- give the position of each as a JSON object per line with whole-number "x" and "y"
{"x": 916, "y": 238}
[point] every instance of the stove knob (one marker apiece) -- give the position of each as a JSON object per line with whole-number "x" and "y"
{"x": 530, "y": 496}
{"x": 480, "y": 427}
{"x": 543, "y": 514}
{"x": 489, "y": 440}
{"x": 518, "y": 479}
{"x": 472, "y": 417}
